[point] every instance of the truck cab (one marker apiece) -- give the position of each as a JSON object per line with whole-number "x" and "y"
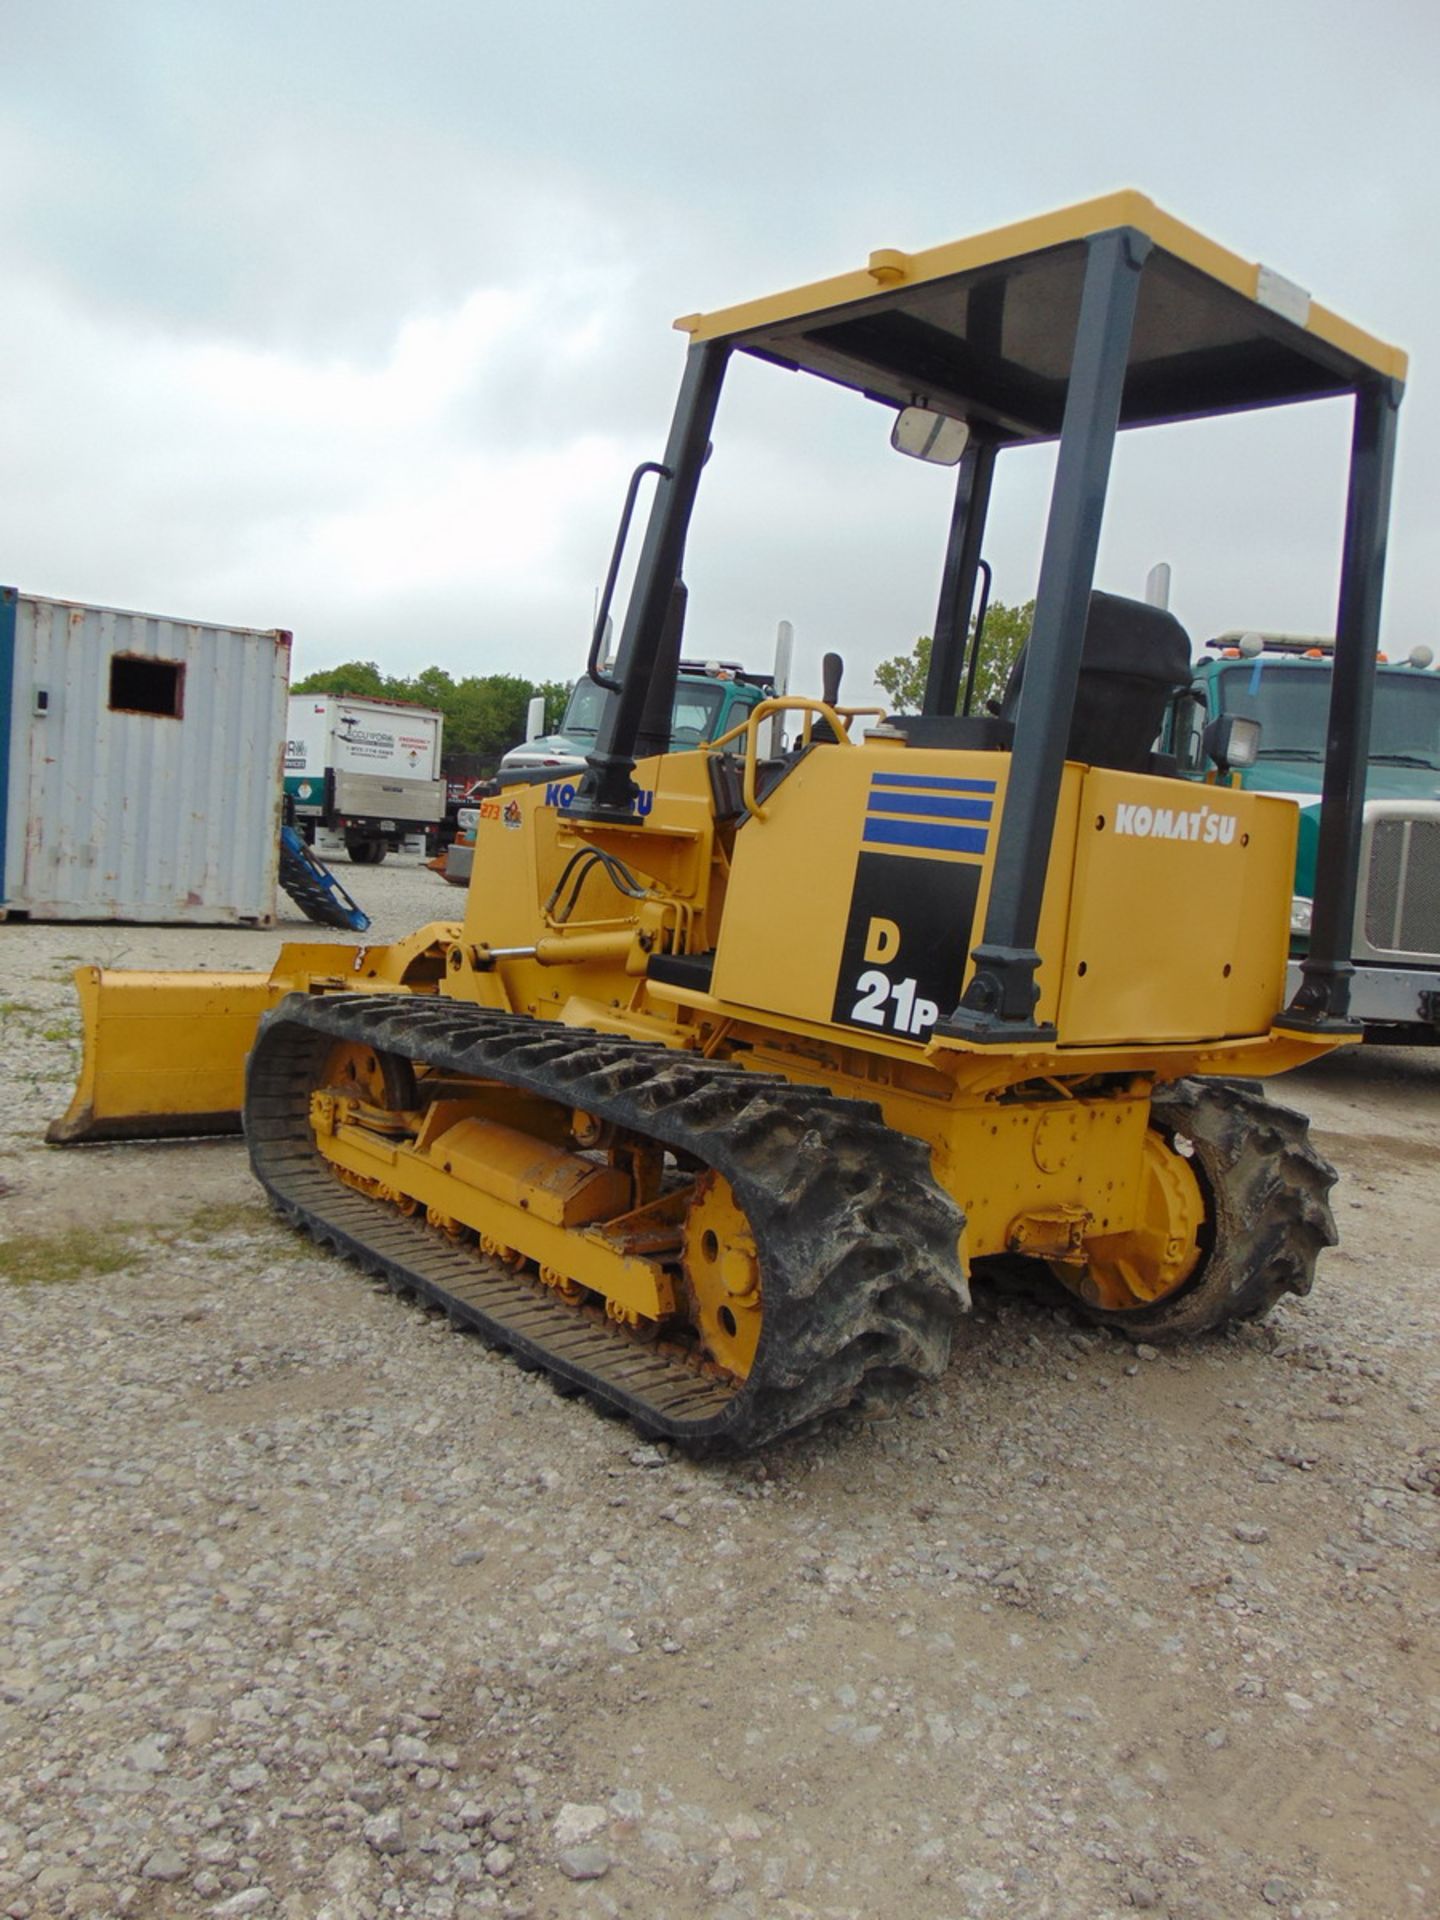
{"x": 1283, "y": 682}
{"x": 711, "y": 697}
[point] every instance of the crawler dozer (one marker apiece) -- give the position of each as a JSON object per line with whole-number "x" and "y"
{"x": 741, "y": 1061}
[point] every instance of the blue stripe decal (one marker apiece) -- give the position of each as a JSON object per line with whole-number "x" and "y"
{"x": 939, "y": 806}
{"x": 9, "y": 600}
{"x": 938, "y": 783}
{"x": 920, "y": 833}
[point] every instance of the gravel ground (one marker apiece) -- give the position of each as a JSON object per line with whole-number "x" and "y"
{"x": 312, "y": 1607}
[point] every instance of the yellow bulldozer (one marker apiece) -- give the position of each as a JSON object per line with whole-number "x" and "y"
{"x": 741, "y": 1059}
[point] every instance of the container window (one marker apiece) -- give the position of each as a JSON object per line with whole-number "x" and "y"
{"x": 140, "y": 684}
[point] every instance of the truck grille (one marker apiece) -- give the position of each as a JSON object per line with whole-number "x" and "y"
{"x": 1401, "y": 883}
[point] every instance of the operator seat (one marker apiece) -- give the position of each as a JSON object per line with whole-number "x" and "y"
{"x": 1134, "y": 658}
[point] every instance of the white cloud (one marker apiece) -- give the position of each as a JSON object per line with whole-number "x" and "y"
{"x": 354, "y": 319}
{"x": 435, "y": 357}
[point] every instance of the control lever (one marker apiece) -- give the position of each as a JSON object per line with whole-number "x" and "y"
{"x": 832, "y": 669}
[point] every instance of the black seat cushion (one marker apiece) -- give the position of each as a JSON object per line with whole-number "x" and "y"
{"x": 954, "y": 732}
{"x": 1135, "y": 657}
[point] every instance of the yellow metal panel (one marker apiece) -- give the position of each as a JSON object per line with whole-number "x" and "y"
{"x": 1179, "y": 919}
{"x": 638, "y": 1284}
{"x": 890, "y": 267}
{"x": 1003, "y": 1163}
{"x": 501, "y": 904}
{"x": 812, "y": 892}
{"x": 526, "y": 839}
{"x": 163, "y": 1052}
{"x": 555, "y": 1185}
{"x": 790, "y": 884}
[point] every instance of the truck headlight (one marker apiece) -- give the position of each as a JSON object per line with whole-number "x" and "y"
{"x": 1301, "y": 908}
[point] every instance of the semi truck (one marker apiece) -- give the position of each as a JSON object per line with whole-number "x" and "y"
{"x": 1282, "y": 681}
{"x": 362, "y": 775}
{"x": 711, "y": 697}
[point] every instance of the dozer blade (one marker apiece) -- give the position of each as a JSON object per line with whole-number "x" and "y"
{"x": 164, "y": 1053}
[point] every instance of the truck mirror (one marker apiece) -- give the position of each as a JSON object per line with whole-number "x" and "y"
{"x": 1232, "y": 741}
{"x": 1188, "y": 732}
{"x": 934, "y": 437}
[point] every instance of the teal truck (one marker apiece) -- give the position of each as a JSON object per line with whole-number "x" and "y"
{"x": 711, "y": 697}
{"x": 1283, "y": 682}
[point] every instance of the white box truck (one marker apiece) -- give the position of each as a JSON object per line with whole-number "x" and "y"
{"x": 363, "y": 775}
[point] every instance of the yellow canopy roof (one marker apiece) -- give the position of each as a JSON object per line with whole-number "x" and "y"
{"x": 985, "y": 327}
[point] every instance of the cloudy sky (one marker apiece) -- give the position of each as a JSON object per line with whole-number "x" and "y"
{"x": 353, "y": 318}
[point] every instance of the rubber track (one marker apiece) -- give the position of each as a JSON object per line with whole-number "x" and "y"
{"x": 861, "y": 1279}
{"x": 1274, "y": 1188}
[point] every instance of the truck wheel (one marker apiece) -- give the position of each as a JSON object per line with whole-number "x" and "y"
{"x": 367, "y": 853}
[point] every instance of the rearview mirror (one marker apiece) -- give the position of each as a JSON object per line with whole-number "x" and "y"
{"x": 1187, "y": 731}
{"x": 934, "y": 437}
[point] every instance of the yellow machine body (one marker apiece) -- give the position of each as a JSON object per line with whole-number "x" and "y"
{"x": 845, "y": 908}
{"x": 840, "y": 916}
{"x": 823, "y": 937}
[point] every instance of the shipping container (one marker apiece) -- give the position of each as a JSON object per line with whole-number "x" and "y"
{"x": 363, "y": 773}
{"x": 140, "y": 765}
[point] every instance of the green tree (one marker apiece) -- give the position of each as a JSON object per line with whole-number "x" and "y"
{"x": 355, "y": 676}
{"x": 432, "y": 687}
{"x": 489, "y": 712}
{"x": 903, "y": 677}
{"x": 1006, "y": 630}
{"x": 484, "y": 713}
